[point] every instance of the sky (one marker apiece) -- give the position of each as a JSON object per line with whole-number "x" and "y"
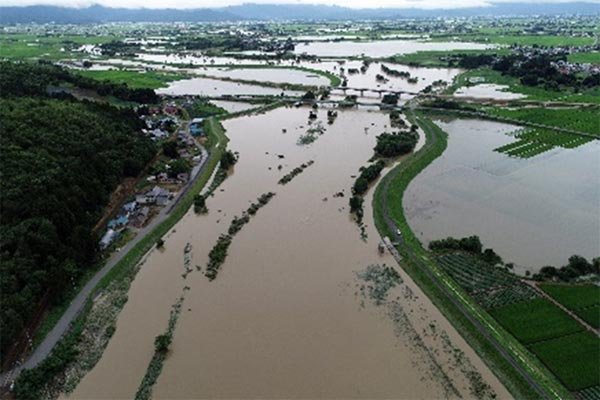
{"x": 220, "y": 3}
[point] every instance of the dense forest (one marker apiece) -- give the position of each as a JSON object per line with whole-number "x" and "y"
{"x": 60, "y": 159}
{"x": 37, "y": 79}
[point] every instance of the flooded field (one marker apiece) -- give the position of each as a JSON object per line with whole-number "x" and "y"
{"x": 234, "y": 106}
{"x": 533, "y": 212}
{"x": 291, "y": 313}
{"x": 382, "y": 48}
{"x": 216, "y": 87}
{"x": 277, "y": 75}
{"x": 488, "y": 90}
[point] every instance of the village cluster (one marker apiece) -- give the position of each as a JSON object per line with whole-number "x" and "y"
{"x": 168, "y": 176}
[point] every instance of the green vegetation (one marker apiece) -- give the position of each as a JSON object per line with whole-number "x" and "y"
{"x": 134, "y": 79}
{"x": 527, "y": 40}
{"x": 293, "y": 173}
{"x": 534, "y": 141}
{"x": 200, "y": 204}
{"x": 583, "y": 300}
{"x": 395, "y": 144}
{"x": 218, "y": 254}
{"x": 54, "y": 188}
{"x": 367, "y": 176}
{"x": 31, "y": 382}
{"x": 490, "y": 286}
{"x": 161, "y": 347}
{"x": 43, "y": 79}
{"x": 416, "y": 265}
{"x": 21, "y": 47}
{"x": 440, "y": 58}
{"x": 577, "y": 119}
{"x": 573, "y": 358}
{"x": 203, "y": 109}
{"x": 535, "y": 320}
{"x": 488, "y": 75}
{"x": 592, "y": 57}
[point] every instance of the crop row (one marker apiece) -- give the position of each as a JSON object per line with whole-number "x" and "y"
{"x": 534, "y": 141}
{"x": 582, "y": 120}
{"x": 490, "y": 286}
{"x": 591, "y": 393}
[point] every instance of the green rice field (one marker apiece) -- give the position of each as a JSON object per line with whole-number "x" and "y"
{"x": 572, "y": 358}
{"x": 583, "y": 300}
{"x": 535, "y": 320}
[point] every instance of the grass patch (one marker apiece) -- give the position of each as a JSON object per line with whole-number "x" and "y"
{"x": 582, "y": 120}
{"x": 535, "y": 320}
{"x": 439, "y": 58}
{"x": 583, "y": 300}
{"x": 591, "y": 315}
{"x": 592, "y": 57}
{"x": 573, "y": 358}
{"x": 134, "y": 79}
{"x": 573, "y": 296}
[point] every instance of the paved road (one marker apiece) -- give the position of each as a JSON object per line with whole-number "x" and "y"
{"x": 45, "y": 347}
{"x": 416, "y": 260}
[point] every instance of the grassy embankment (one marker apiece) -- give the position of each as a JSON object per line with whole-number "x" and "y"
{"x": 438, "y": 287}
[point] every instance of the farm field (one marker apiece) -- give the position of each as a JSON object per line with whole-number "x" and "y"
{"x": 582, "y": 120}
{"x": 534, "y": 141}
{"x": 22, "y": 46}
{"x": 535, "y": 320}
{"x": 583, "y": 300}
{"x": 525, "y": 40}
{"x": 573, "y": 358}
{"x": 490, "y": 286}
{"x": 592, "y": 57}
{"x": 488, "y": 75}
{"x": 134, "y": 79}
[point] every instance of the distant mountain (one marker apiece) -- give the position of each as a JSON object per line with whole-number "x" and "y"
{"x": 98, "y": 14}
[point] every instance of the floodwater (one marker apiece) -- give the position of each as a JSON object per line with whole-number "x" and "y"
{"x": 488, "y": 91}
{"x": 277, "y": 75}
{"x": 533, "y": 212}
{"x": 234, "y": 106}
{"x": 284, "y": 318}
{"x": 381, "y": 48}
{"x": 216, "y": 87}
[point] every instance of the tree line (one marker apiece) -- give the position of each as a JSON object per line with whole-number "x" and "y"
{"x": 37, "y": 79}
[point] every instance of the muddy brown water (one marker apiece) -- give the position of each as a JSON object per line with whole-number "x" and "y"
{"x": 533, "y": 212}
{"x": 285, "y": 317}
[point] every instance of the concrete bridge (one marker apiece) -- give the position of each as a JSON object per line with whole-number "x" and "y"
{"x": 362, "y": 91}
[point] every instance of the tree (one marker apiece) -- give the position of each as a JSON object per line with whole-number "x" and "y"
{"x": 228, "y": 159}
{"x": 179, "y": 166}
{"x": 162, "y": 343}
{"x": 309, "y": 95}
{"x": 169, "y": 149}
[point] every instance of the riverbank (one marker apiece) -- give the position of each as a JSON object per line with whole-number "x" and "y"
{"x": 522, "y": 374}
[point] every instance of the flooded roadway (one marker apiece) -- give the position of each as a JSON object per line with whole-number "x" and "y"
{"x": 286, "y": 316}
